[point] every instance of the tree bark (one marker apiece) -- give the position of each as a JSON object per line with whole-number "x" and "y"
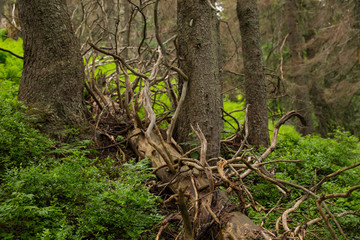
{"x": 53, "y": 74}
{"x": 2, "y": 3}
{"x": 125, "y": 12}
{"x": 302, "y": 99}
{"x": 356, "y": 24}
{"x": 323, "y": 112}
{"x": 198, "y": 51}
{"x": 255, "y": 86}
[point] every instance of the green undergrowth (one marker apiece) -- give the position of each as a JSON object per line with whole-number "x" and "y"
{"x": 44, "y": 196}
{"x": 73, "y": 199}
{"x": 10, "y": 66}
{"x": 319, "y": 157}
{"x": 53, "y": 190}
{"x": 50, "y": 190}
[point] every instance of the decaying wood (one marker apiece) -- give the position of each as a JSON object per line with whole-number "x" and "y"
{"x": 233, "y": 224}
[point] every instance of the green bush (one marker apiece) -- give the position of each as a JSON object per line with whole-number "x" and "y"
{"x": 73, "y": 200}
{"x": 320, "y": 157}
{"x": 20, "y": 145}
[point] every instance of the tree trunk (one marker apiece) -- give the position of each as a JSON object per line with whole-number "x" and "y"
{"x": 2, "y": 3}
{"x": 255, "y": 86}
{"x": 198, "y": 51}
{"x": 323, "y": 112}
{"x": 125, "y": 12}
{"x": 356, "y": 24}
{"x": 302, "y": 99}
{"x": 53, "y": 74}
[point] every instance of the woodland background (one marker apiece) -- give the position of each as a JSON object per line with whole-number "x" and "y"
{"x": 100, "y": 173}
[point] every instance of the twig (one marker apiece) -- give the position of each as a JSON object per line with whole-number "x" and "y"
{"x": 212, "y": 6}
{"x": 244, "y": 187}
{"x": 237, "y": 122}
{"x": 281, "y": 57}
{"x": 163, "y": 144}
{"x": 221, "y": 164}
{"x": 14, "y": 54}
{"x": 120, "y": 59}
{"x": 325, "y": 218}
{"x": 196, "y": 203}
{"x": 156, "y": 23}
{"x": 271, "y": 210}
{"x": 171, "y": 127}
{"x": 207, "y": 207}
{"x": 282, "y": 120}
{"x": 246, "y": 132}
{"x": 150, "y": 112}
{"x": 318, "y": 185}
{"x": 334, "y": 219}
{"x": 290, "y": 210}
{"x": 164, "y": 224}
{"x": 203, "y": 151}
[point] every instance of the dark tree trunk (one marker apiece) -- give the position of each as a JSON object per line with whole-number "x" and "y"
{"x": 198, "y": 41}
{"x": 356, "y": 25}
{"x": 2, "y": 3}
{"x": 302, "y": 99}
{"x": 255, "y": 86}
{"x": 53, "y": 74}
{"x": 323, "y": 112}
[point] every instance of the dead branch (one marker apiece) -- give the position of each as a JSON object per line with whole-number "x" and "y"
{"x": 188, "y": 229}
{"x": 171, "y": 127}
{"x": 318, "y": 185}
{"x": 139, "y": 74}
{"x": 334, "y": 219}
{"x": 284, "y": 216}
{"x": 203, "y": 150}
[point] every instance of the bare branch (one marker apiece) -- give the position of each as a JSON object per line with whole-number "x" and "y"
{"x": 14, "y": 54}
{"x": 189, "y": 234}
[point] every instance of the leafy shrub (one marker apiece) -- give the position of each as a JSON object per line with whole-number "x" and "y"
{"x": 72, "y": 200}
{"x": 20, "y": 145}
{"x": 320, "y": 157}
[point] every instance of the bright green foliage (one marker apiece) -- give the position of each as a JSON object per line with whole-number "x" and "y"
{"x": 320, "y": 154}
{"x": 20, "y": 144}
{"x": 73, "y": 200}
{"x": 237, "y": 110}
{"x": 10, "y": 66}
{"x": 320, "y": 157}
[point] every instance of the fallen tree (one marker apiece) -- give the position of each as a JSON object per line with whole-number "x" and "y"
{"x": 211, "y": 210}
{"x": 208, "y": 209}
{"x": 205, "y": 209}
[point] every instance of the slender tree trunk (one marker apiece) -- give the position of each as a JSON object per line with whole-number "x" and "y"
{"x": 124, "y": 20}
{"x": 2, "y": 3}
{"x": 356, "y": 25}
{"x": 323, "y": 112}
{"x": 302, "y": 99}
{"x": 198, "y": 41}
{"x": 53, "y": 74}
{"x": 255, "y": 86}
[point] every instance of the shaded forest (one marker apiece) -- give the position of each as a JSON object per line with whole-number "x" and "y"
{"x": 187, "y": 119}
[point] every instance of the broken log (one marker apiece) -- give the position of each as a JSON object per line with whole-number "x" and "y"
{"x": 213, "y": 215}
